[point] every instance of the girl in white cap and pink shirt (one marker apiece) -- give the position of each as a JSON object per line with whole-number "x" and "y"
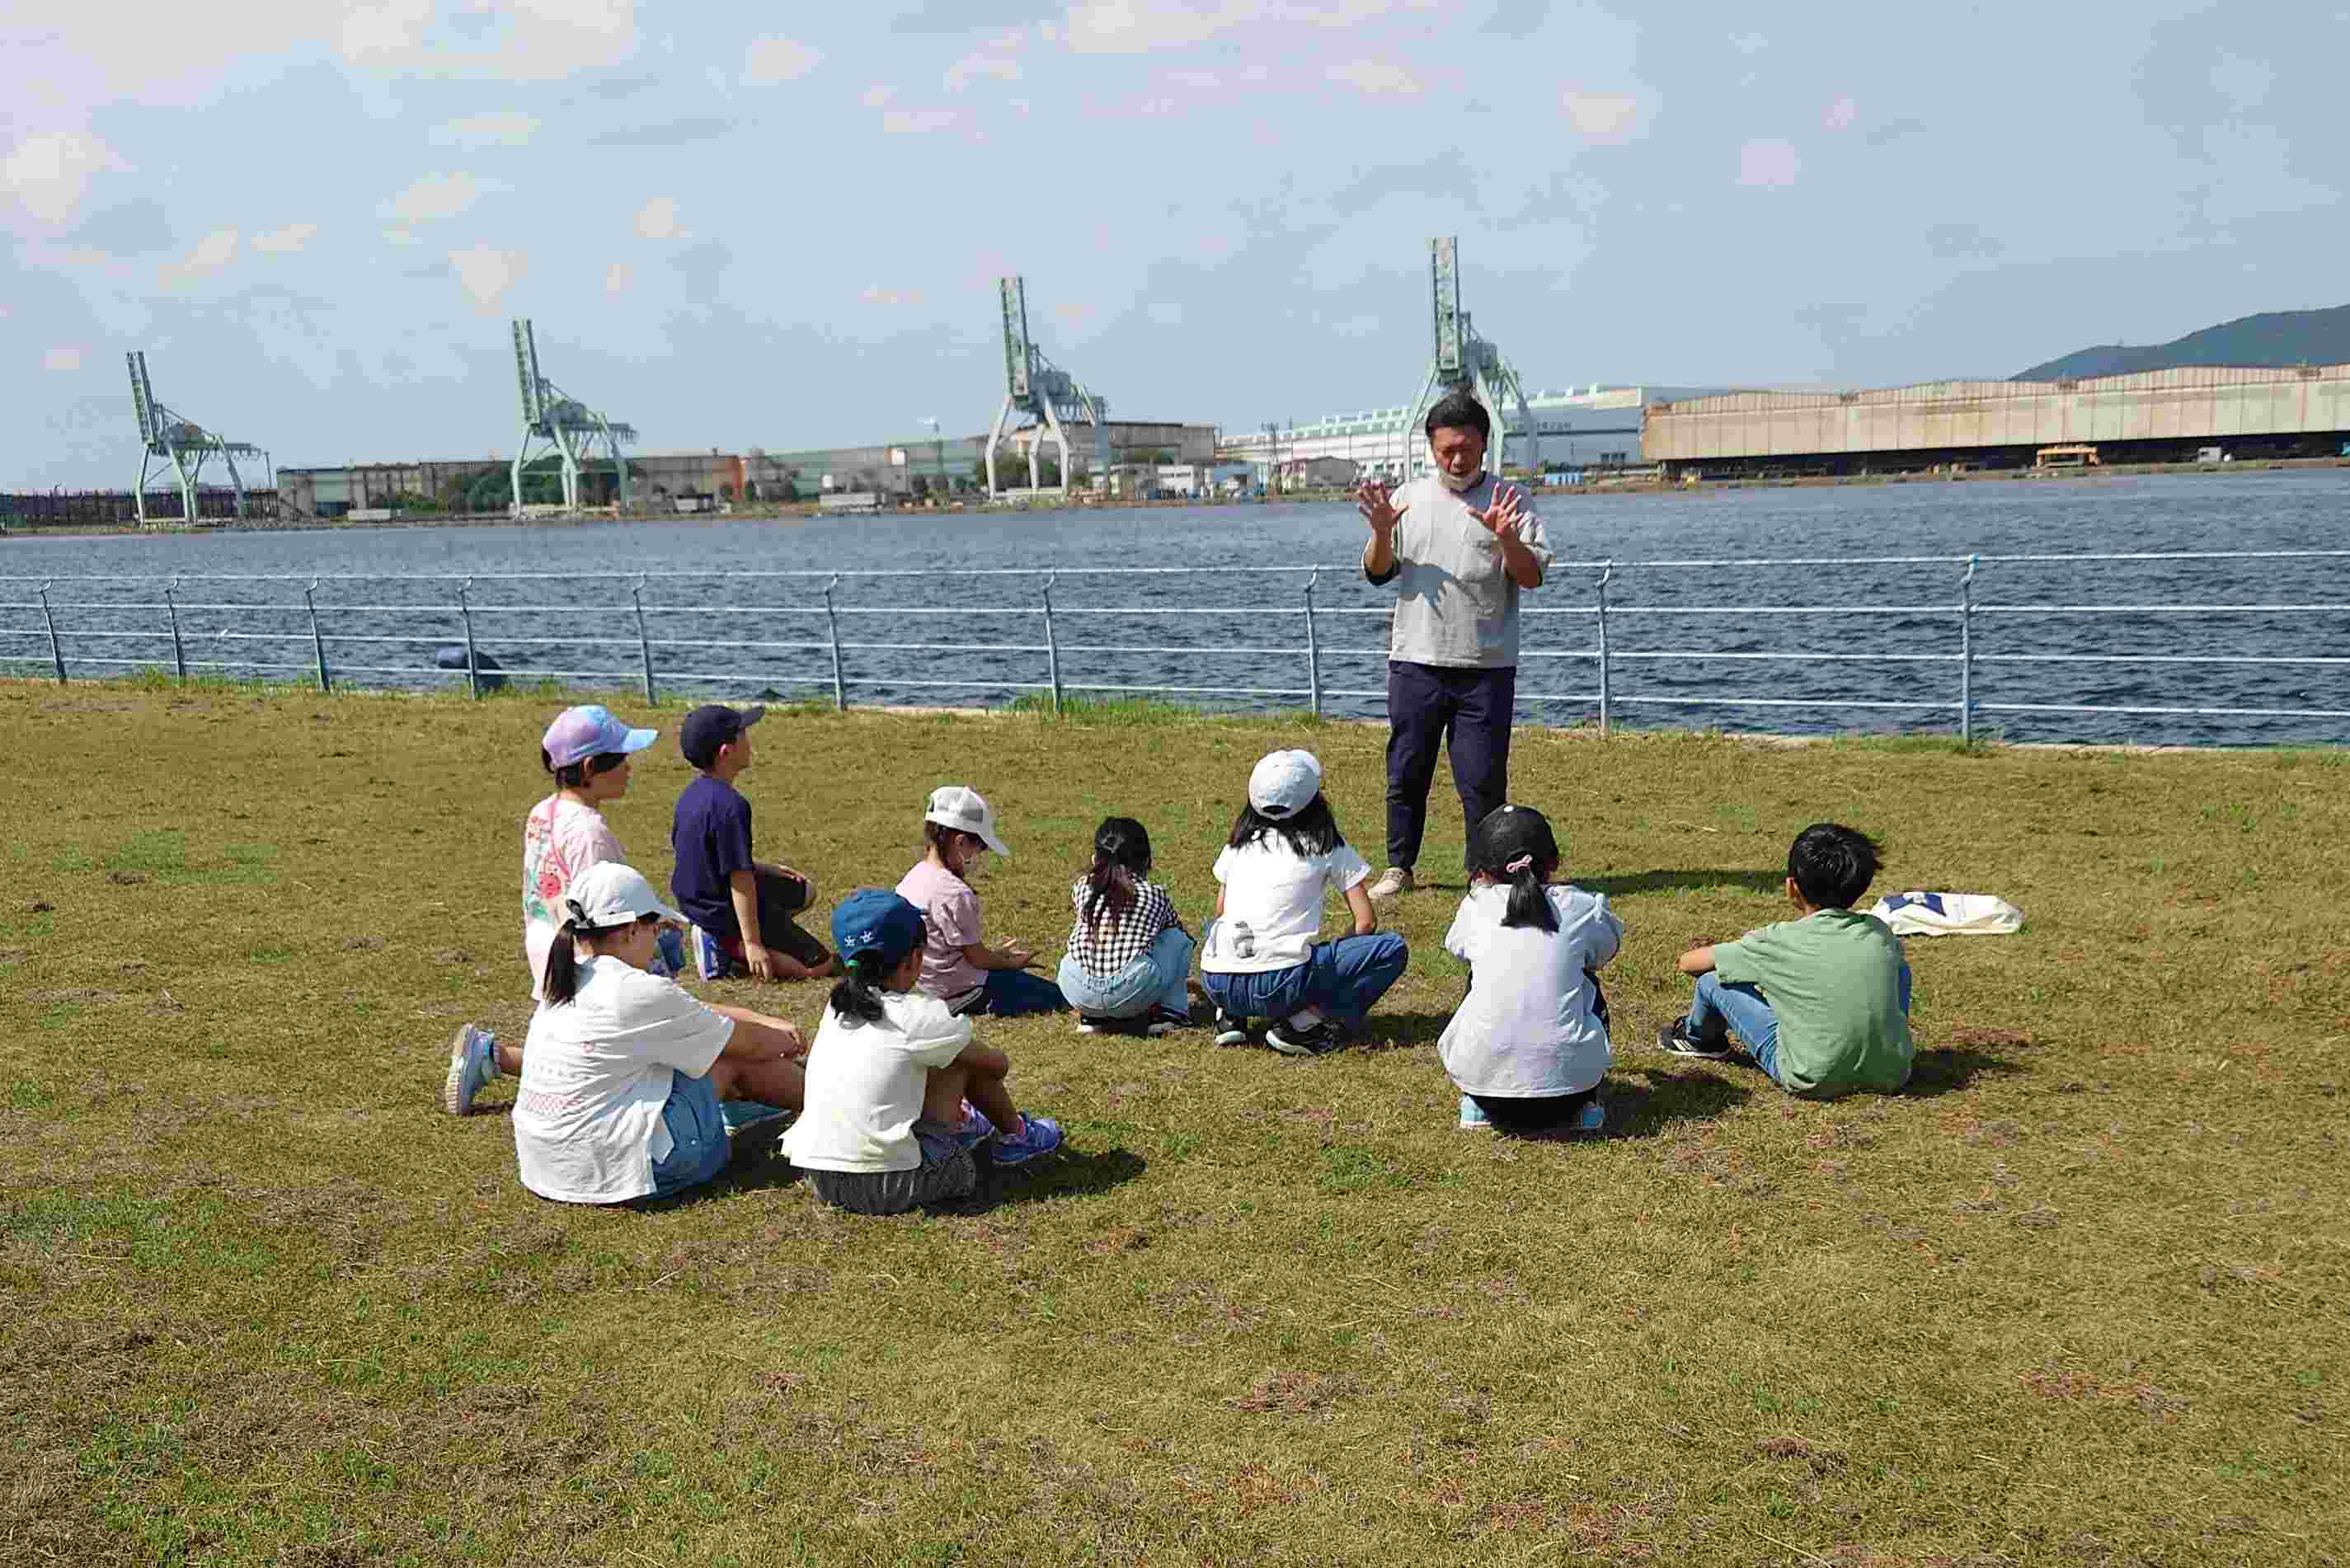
{"x": 957, "y": 967}
{"x": 1263, "y": 956}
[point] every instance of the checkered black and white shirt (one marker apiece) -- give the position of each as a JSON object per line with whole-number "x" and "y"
{"x": 1104, "y": 946}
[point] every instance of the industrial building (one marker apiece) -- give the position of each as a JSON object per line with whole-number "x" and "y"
{"x": 1598, "y": 425}
{"x": 2154, "y": 415}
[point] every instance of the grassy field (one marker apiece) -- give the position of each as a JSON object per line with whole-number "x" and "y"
{"x": 2077, "y": 1298}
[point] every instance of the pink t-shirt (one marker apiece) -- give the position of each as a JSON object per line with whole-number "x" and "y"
{"x": 951, "y": 912}
{"x": 560, "y": 839}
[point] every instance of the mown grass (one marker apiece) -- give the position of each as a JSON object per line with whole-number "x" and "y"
{"x": 2077, "y": 1298}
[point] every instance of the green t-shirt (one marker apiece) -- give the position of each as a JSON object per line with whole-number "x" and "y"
{"x": 1834, "y": 980}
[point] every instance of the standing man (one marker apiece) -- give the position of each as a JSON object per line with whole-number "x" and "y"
{"x": 1463, "y": 546}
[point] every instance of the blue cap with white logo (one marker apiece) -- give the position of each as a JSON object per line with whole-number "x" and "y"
{"x": 876, "y": 920}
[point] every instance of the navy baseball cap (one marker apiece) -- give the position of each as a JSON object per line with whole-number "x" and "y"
{"x": 707, "y": 729}
{"x": 876, "y": 920}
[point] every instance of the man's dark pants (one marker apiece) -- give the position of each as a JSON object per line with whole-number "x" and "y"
{"x": 1432, "y": 706}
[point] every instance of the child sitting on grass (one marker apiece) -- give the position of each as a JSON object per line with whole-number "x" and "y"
{"x": 1129, "y": 957}
{"x": 887, "y": 1127}
{"x": 623, "y": 1071}
{"x": 958, "y": 969}
{"x": 1528, "y": 1045}
{"x": 1260, "y": 957}
{"x": 742, "y": 909}
{"x": 587, "y": 750}
{"x": 1821, "y": 1002}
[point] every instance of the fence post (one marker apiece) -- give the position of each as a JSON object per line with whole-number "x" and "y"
{"x": 57, "y": 656}
{"x": 1966, "y": 655}
{"x": 472, "y": 664}
{"x": 178, "y": 651}
{"x": 317, "y": 642}
{"x": 1313, "y": 644}
{"x": 1052, "y": 643}
{"x": 644, "y": 643}
{"x": 832, "y": 619}
{"x": 1607, "y": 696}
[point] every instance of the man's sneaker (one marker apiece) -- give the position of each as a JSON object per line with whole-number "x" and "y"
{"x": 1037, "y": 1135}
{"x": 473, "y": 1062}
{"x": 1676, "y": 1038}
{"x": 1473, "y": 1116}
{"x": 1230, "y": 1031}
{"x": 1319, "y": 1040}
{"x": 1166, "y": 1021}
{"x": 975, "y": 1129}
{"x": 1395, "y": 880}
{"x": 710, "y": 960}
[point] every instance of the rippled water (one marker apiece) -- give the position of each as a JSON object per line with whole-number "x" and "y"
{"x": 1882, "y": 639}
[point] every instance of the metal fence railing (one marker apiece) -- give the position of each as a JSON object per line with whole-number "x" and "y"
{"x": 1932, "y": 659}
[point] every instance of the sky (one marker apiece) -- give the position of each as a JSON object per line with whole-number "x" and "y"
{"x": 782, "y": 226}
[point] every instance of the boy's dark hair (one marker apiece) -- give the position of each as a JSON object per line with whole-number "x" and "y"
{"x": 560, "y": 984}
{"x": 1833, "y": 865}
{"x": 1460, "y": 411}
{"x": 1121, "y": 858}
{"x": 856, "y": 994}
{"x": 1515, "y": 845}
{"x": 938, "y": 836}
{"x": 1313, "y": 831}
{"x": 574, "y": 775}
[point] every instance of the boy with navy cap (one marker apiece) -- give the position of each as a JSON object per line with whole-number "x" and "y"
{"x": 742, "y": 909}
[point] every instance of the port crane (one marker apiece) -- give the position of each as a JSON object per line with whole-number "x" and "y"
{"x": 173, "y": 440}
{"x": 1463, "y": 361}
{"x": 569, "y": 426}
{"x": 1035, "y": 386}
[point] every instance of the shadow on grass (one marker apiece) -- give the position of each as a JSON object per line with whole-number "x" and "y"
{"x": 760, "y": 1167}
{"x": 1752, "y": 880}
{"x": 1950, "y": 1067}
{"x": 1646, "y": 1109}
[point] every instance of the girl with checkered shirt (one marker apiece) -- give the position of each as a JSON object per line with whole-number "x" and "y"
{"x": 1129, "y": 959}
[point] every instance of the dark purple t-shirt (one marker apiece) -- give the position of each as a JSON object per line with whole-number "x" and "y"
{"x": 712, "y": 838}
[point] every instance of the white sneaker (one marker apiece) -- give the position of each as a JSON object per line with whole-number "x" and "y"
{"x": 1395, "y": 880}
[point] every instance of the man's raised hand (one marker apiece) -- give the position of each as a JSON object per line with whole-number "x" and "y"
{"x": 1507, "y": 516}
{"x": 1377, "y": 503}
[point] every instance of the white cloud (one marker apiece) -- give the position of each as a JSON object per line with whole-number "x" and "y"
{"x": 391, "y": 28}
{"x": 1601, "y": 116}
{"x": 524, "y": 41}
{"x": 504, "y": 128}
{"x": 487, "y": 274}
{"x": 917, "y": 121}
{"x": 1378, "y": 77}
{"x": 1767, "y": 163}
{"x": 1841, "y": 114}
{"x": 1202, "y": 81}
{"x": 657, "y": 219}
{"x": 1137, "y": 26}
{"x": 286, "y": 241}
{"x": 774, "y": 60}
{"x": 881, "y": 95}
{"x": 50, "y": 173}
{"x": 970, "y": 68}
{"x": 892, "y": 298}
{"x": 213, "y": 252}
{"x": 621, "y": 279}
{"x": 435, "y": 197}
{"x": 61, "y": 360}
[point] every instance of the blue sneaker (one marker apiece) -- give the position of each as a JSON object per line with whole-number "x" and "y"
{"x": 473, "y": 1062}
{"x": 670, "y": 945}
{"x": 1593, "y": 1117}
{"x": 710, "y": 960}
{"x": 1038, "y": 1135}
{"x": 975, "y": 1129}
{"x": 1473, "y": 1116}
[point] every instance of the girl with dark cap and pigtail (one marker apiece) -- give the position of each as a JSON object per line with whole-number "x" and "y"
{"x": 1528, "y": 1045}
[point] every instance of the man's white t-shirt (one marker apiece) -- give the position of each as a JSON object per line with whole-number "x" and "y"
{"x": 865, "y": 1084}
{"x": 1273, "y": 904}
{"x": 1526, "y": 1030}
{"x": 561, "y": 839}
{"x": 595, "y": 1073}
{"x": 1456, "y": 604}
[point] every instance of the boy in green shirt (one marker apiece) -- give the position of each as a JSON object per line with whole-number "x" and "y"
{"x": 1820, "y": 1002}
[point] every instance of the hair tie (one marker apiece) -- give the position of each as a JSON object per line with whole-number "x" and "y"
{"x": 1520, "y": 863}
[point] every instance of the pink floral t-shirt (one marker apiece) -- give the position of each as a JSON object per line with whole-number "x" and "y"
{"x": 560, "y": 839}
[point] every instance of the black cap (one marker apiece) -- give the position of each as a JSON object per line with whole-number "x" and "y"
{"x": 707, "y": 729}
{"x": 1507, "y": 833}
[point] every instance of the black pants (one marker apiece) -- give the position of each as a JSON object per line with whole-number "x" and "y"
{"x": 780, "y": 899}
{"x": 1432, "y": 706}
{"x": 1548, "y": 1114}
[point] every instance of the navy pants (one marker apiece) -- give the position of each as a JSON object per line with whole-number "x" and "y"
{"x": 1432, "y": 706}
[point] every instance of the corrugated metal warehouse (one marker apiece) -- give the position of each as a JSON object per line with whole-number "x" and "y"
{"x": 2155, "y": 416}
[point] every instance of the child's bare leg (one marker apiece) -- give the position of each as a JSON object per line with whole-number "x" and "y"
{"x": 776, "y": 1081}
{"x": 948, "y": 1088}
{"x": 509, "y": 1059}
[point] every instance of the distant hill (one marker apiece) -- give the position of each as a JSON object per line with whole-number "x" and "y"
{"x": 2279, "y": 338}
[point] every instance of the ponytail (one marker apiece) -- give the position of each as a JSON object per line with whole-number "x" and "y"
{"x": 856, "y": 995}
{"x": 1121, "y": 856}
{"x": 1529, "y": 898}
{"x": 559, "y": 986}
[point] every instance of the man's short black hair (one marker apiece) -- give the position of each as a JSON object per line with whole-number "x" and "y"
{"x": 1833, "y": 865}
{"x": 1460, "y": 411}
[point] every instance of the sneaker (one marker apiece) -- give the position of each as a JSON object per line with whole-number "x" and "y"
{"x": 1395, "y": 880}
{"x": 473, "y": 1062}
{"x": 1037, "y": 1135}
{"x": 1473, "y": 1116}
{"x": 975, "y": 1129}
{"x": 1319, "y": 1040}
{"x": 671, "y": 947}
{"x": 1102, "y": 1024}
{"x": 1676, "y": 1038}
{"x": 710, "y": 960}
{"x": 1166, "y": 1021}
{"x": 1592, "y": 1118}
{"x": 1230, "y": 1031}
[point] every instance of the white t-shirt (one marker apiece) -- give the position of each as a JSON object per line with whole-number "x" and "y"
{"x": 1273, "y": 904}
{"x": 561, "y": 839}
{"x": 865, "y": 1084}
{"x": 1526, "y": 1030}
{"x": 595, "y": 1075}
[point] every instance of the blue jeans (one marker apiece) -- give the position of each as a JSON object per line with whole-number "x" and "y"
{"x": 1342, "y": 978}
{"x": 1009, "y": 993}
{"x": 1156, "y": 979}
{"x": 1748, "y": 1015}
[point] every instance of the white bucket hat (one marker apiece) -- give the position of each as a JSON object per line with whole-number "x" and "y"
{"x": 1284, "y": 783}
{"x": 963, "y": 807}
{"x": 611, "y": 894}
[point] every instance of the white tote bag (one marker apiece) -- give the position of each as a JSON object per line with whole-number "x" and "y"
{"x": 1948, "y": 915}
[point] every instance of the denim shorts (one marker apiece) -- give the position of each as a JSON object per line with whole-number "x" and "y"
{"x": 697, "y": 1130}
